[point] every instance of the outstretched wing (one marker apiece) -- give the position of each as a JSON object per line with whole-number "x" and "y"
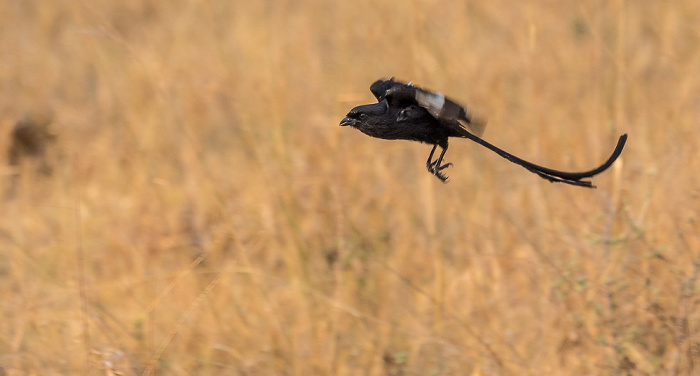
{"x": 440, "y": 107}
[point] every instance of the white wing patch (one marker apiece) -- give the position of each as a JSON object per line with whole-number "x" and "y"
{"x": 432, "y": 102}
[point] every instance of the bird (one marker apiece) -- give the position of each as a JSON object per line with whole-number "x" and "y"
{"x": 407, "y": 112}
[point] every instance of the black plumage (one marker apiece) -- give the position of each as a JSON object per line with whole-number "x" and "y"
{"x": 407, "y": 112}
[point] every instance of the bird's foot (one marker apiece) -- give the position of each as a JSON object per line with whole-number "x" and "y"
{"x": 440, "y": 176}
{"x": 432, "y": 166}
{"x": 435, "y": 170}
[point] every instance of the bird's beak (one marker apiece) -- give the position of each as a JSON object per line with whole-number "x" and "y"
{"x": 348, "y": 121}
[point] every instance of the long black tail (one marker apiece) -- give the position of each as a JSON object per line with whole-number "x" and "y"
{"x": 573, "y": 178}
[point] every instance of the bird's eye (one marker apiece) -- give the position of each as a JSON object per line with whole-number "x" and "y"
{"x": 363, "y": 116}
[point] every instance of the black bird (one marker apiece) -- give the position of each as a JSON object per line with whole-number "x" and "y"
{"x": 407, "y": 112}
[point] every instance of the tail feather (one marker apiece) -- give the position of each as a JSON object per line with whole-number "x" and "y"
{"x": 573, "y": 178}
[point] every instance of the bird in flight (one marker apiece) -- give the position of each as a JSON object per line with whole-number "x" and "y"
{"x": 406, "y": 112}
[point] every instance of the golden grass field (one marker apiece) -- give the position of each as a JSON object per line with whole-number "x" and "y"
{"x": 205, "y": 214}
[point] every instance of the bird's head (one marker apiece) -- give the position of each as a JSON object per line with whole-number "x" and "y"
{"x": 360, "y": 114}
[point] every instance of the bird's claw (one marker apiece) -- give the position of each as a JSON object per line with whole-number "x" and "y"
{"x": 433, "y": 169}
{"x": 444, "y": 166}
{"x": 440, "y": 176}
{"x": 432, "y": 166}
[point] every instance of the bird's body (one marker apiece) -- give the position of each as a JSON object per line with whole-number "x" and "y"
{"x": 414, "y": 124}
{"x": 407, "y": 112}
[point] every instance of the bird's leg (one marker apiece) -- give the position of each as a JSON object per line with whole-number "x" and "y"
{"x": 435, "y": 167}
{"x": 436, "y": 164}
{"x": 429, "y": 163}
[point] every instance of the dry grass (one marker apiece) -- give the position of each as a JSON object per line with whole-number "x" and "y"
{"x": 206, "y": 215}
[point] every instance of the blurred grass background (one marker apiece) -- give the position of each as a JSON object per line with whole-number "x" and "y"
{"x": 205, "y": 214}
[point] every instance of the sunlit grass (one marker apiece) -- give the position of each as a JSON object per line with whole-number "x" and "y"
{"x": 207, "y": 215}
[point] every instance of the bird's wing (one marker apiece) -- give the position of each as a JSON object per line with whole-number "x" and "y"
{"x": 400, "y": 94}
{"x": 380, "y": 87}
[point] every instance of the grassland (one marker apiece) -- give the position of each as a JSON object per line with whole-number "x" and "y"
{"x": 206, "y": 215}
